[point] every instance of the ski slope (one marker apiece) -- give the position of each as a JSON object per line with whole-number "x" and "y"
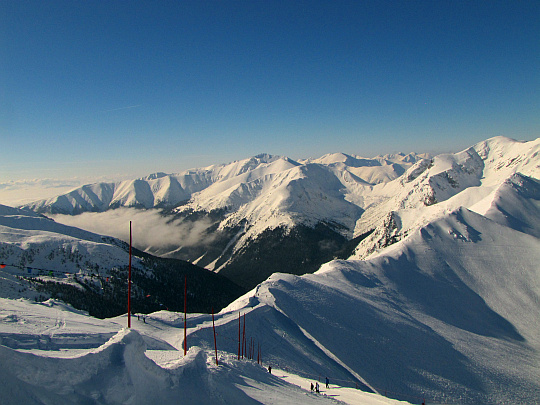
{"x": 52, "y": 354}
{"x": 450, "y": 313}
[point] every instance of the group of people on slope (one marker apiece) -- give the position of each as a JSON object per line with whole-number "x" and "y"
{"x": 316, "y": 386}
{"x": 313, "y": 387}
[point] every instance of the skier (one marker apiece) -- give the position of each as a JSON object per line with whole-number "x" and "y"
{"x": 327, "y": 382}
{"x": 317, "y": 387}
{"x": 270, "y": 369}
{"x": 311, "y": 387}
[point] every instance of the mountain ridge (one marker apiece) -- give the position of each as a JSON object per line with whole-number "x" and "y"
{"x": 161, "y": 189}
{"x": 260, "y": 206}
{"x": 451, "y": 310}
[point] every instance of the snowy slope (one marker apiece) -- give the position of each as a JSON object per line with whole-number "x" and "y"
{"x": 30, "y": 240}
{"x": 53, "y": 354}
{"x": 516, "y": 204}
{"x": 449, "y": 314}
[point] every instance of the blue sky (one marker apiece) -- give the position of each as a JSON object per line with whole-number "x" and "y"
{"x": 104, "y": 87}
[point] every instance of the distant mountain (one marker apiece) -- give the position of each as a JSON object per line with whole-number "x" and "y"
{"x": 160, "y": 190}
{"x": 270, "y": 213}
{"x": 260, "y": 213}
{"x": 41, "y": 258}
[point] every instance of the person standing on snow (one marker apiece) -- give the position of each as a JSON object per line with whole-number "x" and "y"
{"x": 327, "y": 382}
{"x": 317, "y": 387}
{"x": 311, "y": 387}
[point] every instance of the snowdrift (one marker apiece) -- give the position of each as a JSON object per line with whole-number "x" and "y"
{"x": 122, "y": 370}
{"x": 119, "y": 373}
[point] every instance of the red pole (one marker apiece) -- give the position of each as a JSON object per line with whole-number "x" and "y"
{"x": 129, "y": 278}
{"x": 244, "y": 338}
{"x": 185, "y": 314}
{"x": 214, "y": 327}
{"x": 238, "y": 335}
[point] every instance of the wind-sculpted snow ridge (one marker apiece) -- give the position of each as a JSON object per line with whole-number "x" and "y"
{"x": 115, "y": 373}
{"x": 449, "y": 314}
{"x": 126, "y": 369}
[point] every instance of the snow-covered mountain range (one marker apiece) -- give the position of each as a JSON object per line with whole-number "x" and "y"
{"x": 270, "y": 213}
{"x": 236, "y": 206}
{"x": 228, "y": 183}
{"x": 435, "y": 295}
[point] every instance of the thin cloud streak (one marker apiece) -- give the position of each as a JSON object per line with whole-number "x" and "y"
{"x": 123, "y": 108}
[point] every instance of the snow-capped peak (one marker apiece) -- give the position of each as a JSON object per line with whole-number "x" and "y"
{"x": 430, "y": 189}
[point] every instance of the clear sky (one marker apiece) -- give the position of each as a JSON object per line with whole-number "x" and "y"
{"x": 134, "y": 87}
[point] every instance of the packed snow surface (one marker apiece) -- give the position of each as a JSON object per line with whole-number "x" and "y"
{"x": 52, "y": 354}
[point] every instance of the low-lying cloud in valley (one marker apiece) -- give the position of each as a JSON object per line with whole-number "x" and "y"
{"x": 151, "y": 230}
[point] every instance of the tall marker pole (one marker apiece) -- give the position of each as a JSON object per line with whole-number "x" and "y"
{"x": 244, "y": 351}
{"x": 129, "y": 278}
{"x": 185, "y": 314}
{"x": 238, "y": 335}
{"x": 214, "y": 327}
